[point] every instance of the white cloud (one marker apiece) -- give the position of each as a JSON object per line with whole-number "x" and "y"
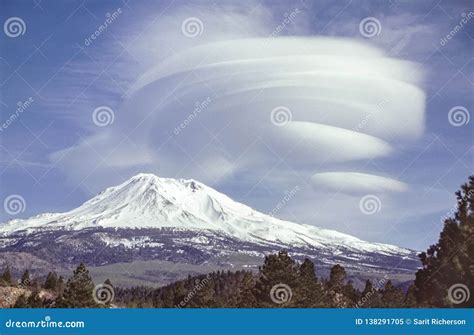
{"x": 356, "y": 183}
{"x": 346, "y": 102}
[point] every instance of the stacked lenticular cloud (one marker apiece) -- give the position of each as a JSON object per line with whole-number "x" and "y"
{"x": 308, "y": 102}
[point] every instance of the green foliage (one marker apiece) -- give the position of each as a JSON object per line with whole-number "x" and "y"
{"x": 51, "y": 281}
{"x": 445, "y": 264}
{"x": 277, "y": 269}
{"x": 34, "y": 300}
{"x": 449, "y": 263}
{"x": 79, "y": 290}
{"x": 392, "y": 297}
{"x": 21, "y": 302}
{"x": 6, "y": 277}
{"x": 25, "y": 279}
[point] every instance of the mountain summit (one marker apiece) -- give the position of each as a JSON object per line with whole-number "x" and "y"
{"x": 148, "y": 217}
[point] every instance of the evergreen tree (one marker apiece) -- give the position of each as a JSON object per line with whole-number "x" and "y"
{"x": 79, "y": 290}
{"x": 245, "y": 295}
{"x": 277, "y": 282}
{"x": 21, "y": 302}
{"x": 34, "y": 300}
{"x": 410, "y": 297}
{"x": 310, "y": 292}
{"x": 351, "y": 293}
{"x": 60, "y": 286}
{"x": 447, "y": 265}
{"x": 25, "y": 279}
{"x": 51, "y": 281}
{"x": 336, "y": 278}
{"x": 335, "y": 287}
{"x": 392, "y": 296}
{"x": 370, "y": 296}
{"x": 6, "y": 277}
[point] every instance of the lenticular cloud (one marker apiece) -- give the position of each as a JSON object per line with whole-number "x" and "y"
{"x": 250, "y": 104}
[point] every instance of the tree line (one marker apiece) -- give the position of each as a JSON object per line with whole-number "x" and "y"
{"x": 444, "y": 280}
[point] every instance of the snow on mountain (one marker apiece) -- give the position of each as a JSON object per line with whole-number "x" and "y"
{"x": 147, "y": 202}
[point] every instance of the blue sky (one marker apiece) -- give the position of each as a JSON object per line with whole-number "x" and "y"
{"x": 152, "y": 71}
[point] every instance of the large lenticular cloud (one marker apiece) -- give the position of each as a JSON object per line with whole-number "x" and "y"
{"x": 247, "y": 105}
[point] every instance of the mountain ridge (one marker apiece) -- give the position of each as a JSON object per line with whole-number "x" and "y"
{"x": 149, "y": 218}
{"x": 170, "y": 202}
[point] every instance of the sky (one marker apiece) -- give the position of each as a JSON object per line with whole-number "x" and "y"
{"x": 348, "y": 115}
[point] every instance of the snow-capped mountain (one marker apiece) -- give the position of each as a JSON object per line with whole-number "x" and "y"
{"x": 148, "y": 217}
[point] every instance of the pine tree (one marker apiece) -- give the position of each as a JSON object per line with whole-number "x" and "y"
{"x": 335, "y": 287}
{"x": 277, "y": 282}
{"x": 6, "y": 277}
{"x": 447, "y": 265}
{"x": 336, "y": 278}
{"x": 60, "y": 286}
{"x": 310, "y": 292}
{"x": 25, "y": 279}
{"x": 245, "y": 296}
{"x": 79, "y": 290}
{"x": 34, "y": 300}
{"x": 51, "y": 281}
{"x": 392, "y": 296}
{"x": 21, "y": 302}
{"x": 370, "y": 296}
{"x": 410, "y": 297}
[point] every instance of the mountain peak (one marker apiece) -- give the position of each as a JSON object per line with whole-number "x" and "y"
{"x": 152, "y": 202}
